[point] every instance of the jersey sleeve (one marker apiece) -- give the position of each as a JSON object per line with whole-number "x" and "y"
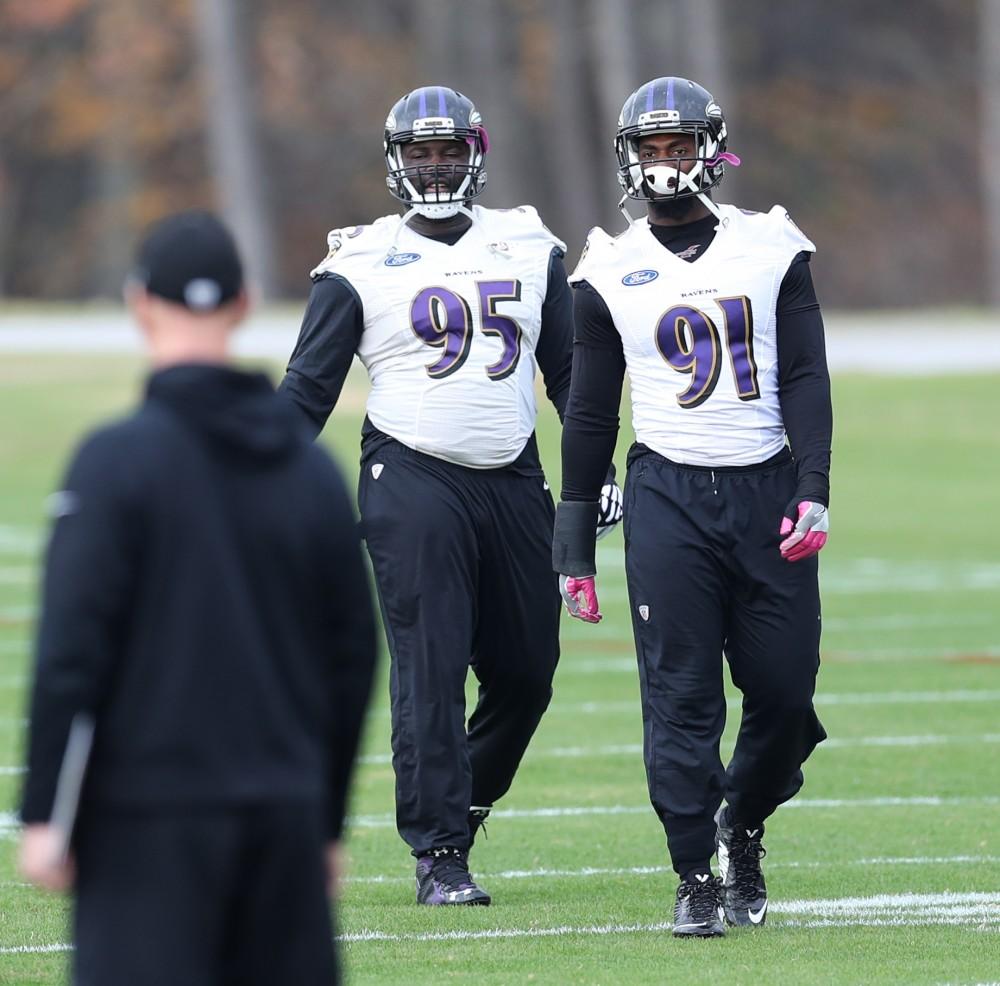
{"x": 524, "y": 223}
{"x": 786, "y": 234}
{"x": 352, "y": 244}
{"x": 594, "y": 251}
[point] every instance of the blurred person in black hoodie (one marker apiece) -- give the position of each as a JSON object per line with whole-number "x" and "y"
{"x": 205, "y": 603}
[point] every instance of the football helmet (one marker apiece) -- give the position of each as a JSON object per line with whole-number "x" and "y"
{"x": 435, "y": 113}
{"x": 670, "y": 105}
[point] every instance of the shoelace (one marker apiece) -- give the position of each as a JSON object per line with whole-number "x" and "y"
{"x": 704, "y": 898}
{"x": 451, "y": 870}
{"x": 745, "y": 855}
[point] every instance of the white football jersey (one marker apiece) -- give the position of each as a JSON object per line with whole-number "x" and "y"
{"x": 699, "y": 337}
{"x": 450, "y": 331}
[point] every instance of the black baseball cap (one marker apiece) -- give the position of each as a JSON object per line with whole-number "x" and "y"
{"x": 191, "y": 259}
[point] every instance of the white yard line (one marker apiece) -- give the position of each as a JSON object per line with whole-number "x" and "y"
{"x": 635, "y": 749}
{"x": 593, "y": 871}
{"x": 18, "y": 575}
{"x": 18, "y": 613}
{"x": 20, "y": 539}
{"x": 8, "y": 820}
{"x": 833, "y": 698}
{"x": 978, "y": 910}
{"x": 930, "y": 801}
{"x": 34, "y": 949}
{"x": 570, "y": 665}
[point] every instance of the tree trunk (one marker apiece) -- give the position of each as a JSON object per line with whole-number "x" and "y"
{"x": 989, "y": 143}
{"x": 233, "y": 151}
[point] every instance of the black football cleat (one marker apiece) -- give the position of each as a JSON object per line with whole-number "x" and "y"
{"x": 744, "y": 894}
{"x": 698, "y": 908}
{"x": 443, "y": 878}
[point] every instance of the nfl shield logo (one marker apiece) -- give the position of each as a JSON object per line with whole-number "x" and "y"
{"x": 644, "y": 613}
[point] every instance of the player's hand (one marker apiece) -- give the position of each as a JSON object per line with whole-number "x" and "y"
{"x": 41, "y": 860}
{"x": 806, "y": 533}
{"x": 609, "y": 513}
{"x": 580, "y": 596}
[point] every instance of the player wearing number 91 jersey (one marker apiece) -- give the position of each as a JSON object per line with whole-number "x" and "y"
{"x": 711, "y": 311}
{"x": 450, "y": 308}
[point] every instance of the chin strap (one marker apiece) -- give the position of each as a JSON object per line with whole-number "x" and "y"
{"x": 710, "y": 205}
{"x": 624, "y": 211}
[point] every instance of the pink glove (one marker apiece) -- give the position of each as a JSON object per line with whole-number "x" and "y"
{"x": 580, "y": 596}
{"x": 808, "y": 535}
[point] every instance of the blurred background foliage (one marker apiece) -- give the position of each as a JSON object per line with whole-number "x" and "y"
{"x": 865, "y": 120}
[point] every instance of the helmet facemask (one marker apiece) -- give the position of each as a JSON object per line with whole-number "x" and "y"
{"x": 436, "y": 191}
{"x": 666, "y": 178}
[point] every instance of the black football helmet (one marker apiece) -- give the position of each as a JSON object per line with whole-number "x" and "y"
{"x": 435, "y": 113}
{"x": 669, "y": 105}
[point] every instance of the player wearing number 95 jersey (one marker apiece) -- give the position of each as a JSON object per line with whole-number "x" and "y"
{"x": 450, "y": 308}
{"x": 711, "y": 311}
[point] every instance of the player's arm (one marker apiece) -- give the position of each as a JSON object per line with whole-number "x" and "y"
{"x": 554, "y": 351}
{"x": 328, "y": 339}
{"x": 555, "y": 355}
{"x": 89, "y": 571}
{"x": 590, "y": 431}
{"x": 804, "y": 392}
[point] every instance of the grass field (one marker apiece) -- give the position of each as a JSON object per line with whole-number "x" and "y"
{"x": 885, "y": 870}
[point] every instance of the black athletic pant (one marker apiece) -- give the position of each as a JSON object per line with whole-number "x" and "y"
{"x": 203, "y": 896}
{"x": 705, "y": 578}
{"x": 462, "y": 560}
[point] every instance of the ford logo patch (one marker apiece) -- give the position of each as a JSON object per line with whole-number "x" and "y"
{"x": 639, "y": 277}
{"x": 401, "y": 259}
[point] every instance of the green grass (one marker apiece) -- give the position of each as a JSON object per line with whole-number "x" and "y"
{"x": 911, "y": 651}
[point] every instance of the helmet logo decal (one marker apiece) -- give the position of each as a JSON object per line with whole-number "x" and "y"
{"x": 714, "y": 110}
{"x": 640, "y": 277}
{"x": 401, "y": 259}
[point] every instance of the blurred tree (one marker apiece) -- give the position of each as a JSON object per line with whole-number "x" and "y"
{"x": 989, "y": 141}
{"x": 858, "y": 117}
{"x": 233, "y": 149}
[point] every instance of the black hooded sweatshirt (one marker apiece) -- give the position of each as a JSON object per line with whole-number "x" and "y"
{"x": 206, "y": 601}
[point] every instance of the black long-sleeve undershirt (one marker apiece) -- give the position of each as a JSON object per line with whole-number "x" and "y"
{"x": 591, "y": 423}
{"x": 334, "y": 321}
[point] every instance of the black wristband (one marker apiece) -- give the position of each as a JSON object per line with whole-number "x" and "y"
{"x": 574, "y": 538}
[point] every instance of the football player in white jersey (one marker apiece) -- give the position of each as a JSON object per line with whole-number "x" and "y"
{"x": 450, "y": 308}
{"x": 711, "y": 311}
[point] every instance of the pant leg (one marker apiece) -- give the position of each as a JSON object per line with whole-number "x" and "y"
{"x": 422, "y": 543}
{"x": 517, "y": 637}
{"x": 152, "y": 895}
{"x": 280, "y": 929}
{"x": 676, "y": 585}
{"x": 773, "y": 649}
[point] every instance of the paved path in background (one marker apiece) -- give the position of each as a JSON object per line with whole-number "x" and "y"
{"x": 891, "y": 343}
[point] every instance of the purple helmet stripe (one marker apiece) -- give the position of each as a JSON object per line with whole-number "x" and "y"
{"x": 441, "y": 104}
{"x": 423, "y": 102}
{"x": 649, "y": 97}
{"x": 670, "y": 94}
